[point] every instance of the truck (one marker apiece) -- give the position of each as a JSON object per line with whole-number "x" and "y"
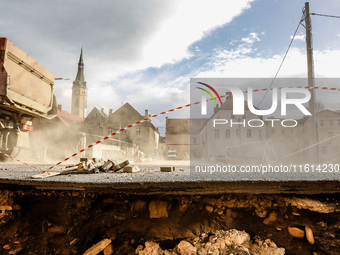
{"x": 26, "y": 92}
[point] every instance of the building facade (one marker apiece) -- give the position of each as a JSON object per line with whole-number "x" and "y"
{"x": 145, "y": 136}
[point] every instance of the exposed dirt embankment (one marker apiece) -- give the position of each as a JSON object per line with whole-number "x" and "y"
{"x": 62, "y": 222}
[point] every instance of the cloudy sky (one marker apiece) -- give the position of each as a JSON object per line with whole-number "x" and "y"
{"x": 144, "y": 52}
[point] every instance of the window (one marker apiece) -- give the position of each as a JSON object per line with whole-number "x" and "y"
{"x": 217, "y": 133}
{"x": 48, "y": 121}
{"x": 323, "y": 149}
{"x": 237, "y": 133}
{"x": 338, "y": 122}
{"x": 98, "y": 126}
{"x": 124, "y": 132}
{"x": 195, "y": 140}
{"x": 77, "y": 92}
{"x": 249, "y": 133}
{"x": 321, "y": 123}
{"x": 330, "y": 134}
{"x": 109, "y": 131}
{"x": 95, "y": 115}
{"x": 331, "y": 122}
{"x": 91, "y": 126}
{"x": 39, "y": 120}
{"x": 137, "y": 130}
{"x": 227, "y": 133}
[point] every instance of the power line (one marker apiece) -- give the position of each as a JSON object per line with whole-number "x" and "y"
{"x": 290, "y": 44}
{"x": 325, "y": 15}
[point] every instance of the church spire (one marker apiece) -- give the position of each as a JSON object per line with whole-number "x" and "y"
{"x": 79, "y": 90}
{"x": 80, "y": 74}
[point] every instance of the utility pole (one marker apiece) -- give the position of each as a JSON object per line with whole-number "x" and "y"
{"x": 311, "y": 83}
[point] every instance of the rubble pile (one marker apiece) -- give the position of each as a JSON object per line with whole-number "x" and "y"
{"x": 229, "y": 242}
{"x": 92, "y": 165}
{"x": 88, "y": 165}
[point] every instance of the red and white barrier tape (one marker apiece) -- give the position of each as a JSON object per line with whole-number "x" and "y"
{"x": 163, "y": 113}
{"x": 19, "y": 160}
{"x": 175, "y": 109}
{"x": 310, "y": 146}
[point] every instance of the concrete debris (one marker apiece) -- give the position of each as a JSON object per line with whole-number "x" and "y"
{"x": 151, "y": 248}
{"x": 131, "y": 169}
{"x": 91, "y": 165}
{"x": 167, "y": 168}
{"x": 98, "y": 247}
{"x": 117, "y": 167}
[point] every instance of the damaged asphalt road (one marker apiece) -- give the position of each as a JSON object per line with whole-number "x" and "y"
{"x": 180, "y": 181}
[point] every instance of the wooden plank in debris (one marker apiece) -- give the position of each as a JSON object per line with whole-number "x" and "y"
{"x": 98, "y": 247}
{"x": 54, "y": 173}
{"x": 45, "y": 175}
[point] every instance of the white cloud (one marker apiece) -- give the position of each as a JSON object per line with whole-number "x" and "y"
{"x": 192, "y": 20}
{"x": 299, "y": 37}
{"x": 253, "y": 37}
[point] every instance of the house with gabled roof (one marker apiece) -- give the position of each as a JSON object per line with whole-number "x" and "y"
{"x": 144, "y": 135}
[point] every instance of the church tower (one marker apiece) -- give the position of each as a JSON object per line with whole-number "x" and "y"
{"x": 79, "y": 91}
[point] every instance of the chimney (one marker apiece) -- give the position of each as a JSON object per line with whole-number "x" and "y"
{"x": 102, "y": 110}
{"x": 146, "y": 114}
{"x": 110, "y": 111}
{"x": 60, "y": 107}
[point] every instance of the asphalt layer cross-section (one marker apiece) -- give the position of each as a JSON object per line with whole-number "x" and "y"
{"x": 150, "y": 180}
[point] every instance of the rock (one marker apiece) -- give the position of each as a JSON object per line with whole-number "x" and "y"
{"x": 266, "y": 247}
{"x": 15, "y": 251}
{"x": 98, "y": 247}
{"x": 261, "y": 212}
{"x": 119, "y": 217}
{"x": 209, "y": 208}
{"x": 184, "y": 205}
{"x": 296, "y": 232}
{"x": 151, "y": 248}
{"x": 7, "y": 247}
{"x": 138, "y": 206}
{"x": 311, "y": 204}
{"x": 236, "y": 237}
{"x": 186, "y": 248}
{"x": 272, "y": 217}
{"x": 158, "y": 209}
{"x": 59, "y": 230}
{"x": 108, "y": 250}
{"x": 6, "y": 208}
{"x": 309, "y": 235}
{"x": 138, "y": 249}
